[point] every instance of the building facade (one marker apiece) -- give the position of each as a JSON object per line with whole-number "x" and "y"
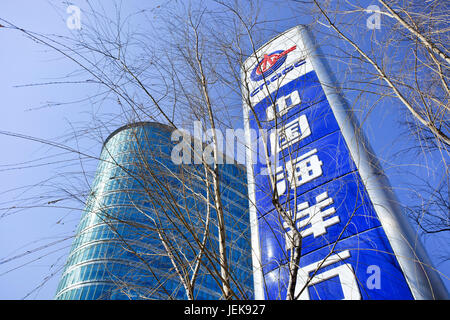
{"x": 146, "y": 220}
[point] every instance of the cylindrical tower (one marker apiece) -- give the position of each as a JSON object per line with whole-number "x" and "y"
{"x": 143, "y": 213}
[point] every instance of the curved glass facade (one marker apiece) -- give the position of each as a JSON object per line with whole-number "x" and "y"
{"x": 145, "y": 221}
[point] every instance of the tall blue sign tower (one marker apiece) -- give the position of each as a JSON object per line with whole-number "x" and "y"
{"x": 308, "y": 162}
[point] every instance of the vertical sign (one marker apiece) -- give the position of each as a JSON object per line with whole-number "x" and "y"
{"x": 303, "y": 145}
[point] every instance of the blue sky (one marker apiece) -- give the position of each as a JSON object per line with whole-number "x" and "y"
{"x": 24, "y": 110}
{"x": 34, "y": 242}
{"x": 24, "y": 62}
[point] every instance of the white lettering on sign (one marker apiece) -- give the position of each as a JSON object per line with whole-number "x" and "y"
{"x": 289, "y": 134}
{"x": 283, "y": 105}
{"x": 345, "y": 273}
{"x": 300, "y": 170}
{"x": 314, "y": 217}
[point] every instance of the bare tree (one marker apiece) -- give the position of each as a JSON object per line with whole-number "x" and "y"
{"x": 189, "y": 69}
{"x": 407, "y": 65}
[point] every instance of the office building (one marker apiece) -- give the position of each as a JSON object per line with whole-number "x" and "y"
{"x": 146, "y": 219}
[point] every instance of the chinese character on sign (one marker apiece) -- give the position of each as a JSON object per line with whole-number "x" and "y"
{"x": 287, "y": 135}
{"x": 283, "y": 105}
{"x": 299, "y": 171}
{"x": 314, "y": 217}
{"x": 308, "y": 277}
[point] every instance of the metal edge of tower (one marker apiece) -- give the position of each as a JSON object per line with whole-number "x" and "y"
{"x": 422, "y": 278}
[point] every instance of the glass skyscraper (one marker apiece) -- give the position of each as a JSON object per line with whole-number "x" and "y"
{"x": 147, "y": 219}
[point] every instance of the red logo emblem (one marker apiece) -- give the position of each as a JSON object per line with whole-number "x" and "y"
{"x": 270, "y": 63}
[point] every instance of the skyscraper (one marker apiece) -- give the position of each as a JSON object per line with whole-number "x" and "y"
{"x": 147, "y": 220}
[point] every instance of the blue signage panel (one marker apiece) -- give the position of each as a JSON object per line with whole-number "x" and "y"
{"x": 359, "y": 267}
{"x": 309, "y": 122}
{"x": 306, "y": 168}
{"x": 290, "y": 98}
{"x": 303, "y": 155}
{"x": 336, "y": 211}
{"x": 319, "y": 186}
